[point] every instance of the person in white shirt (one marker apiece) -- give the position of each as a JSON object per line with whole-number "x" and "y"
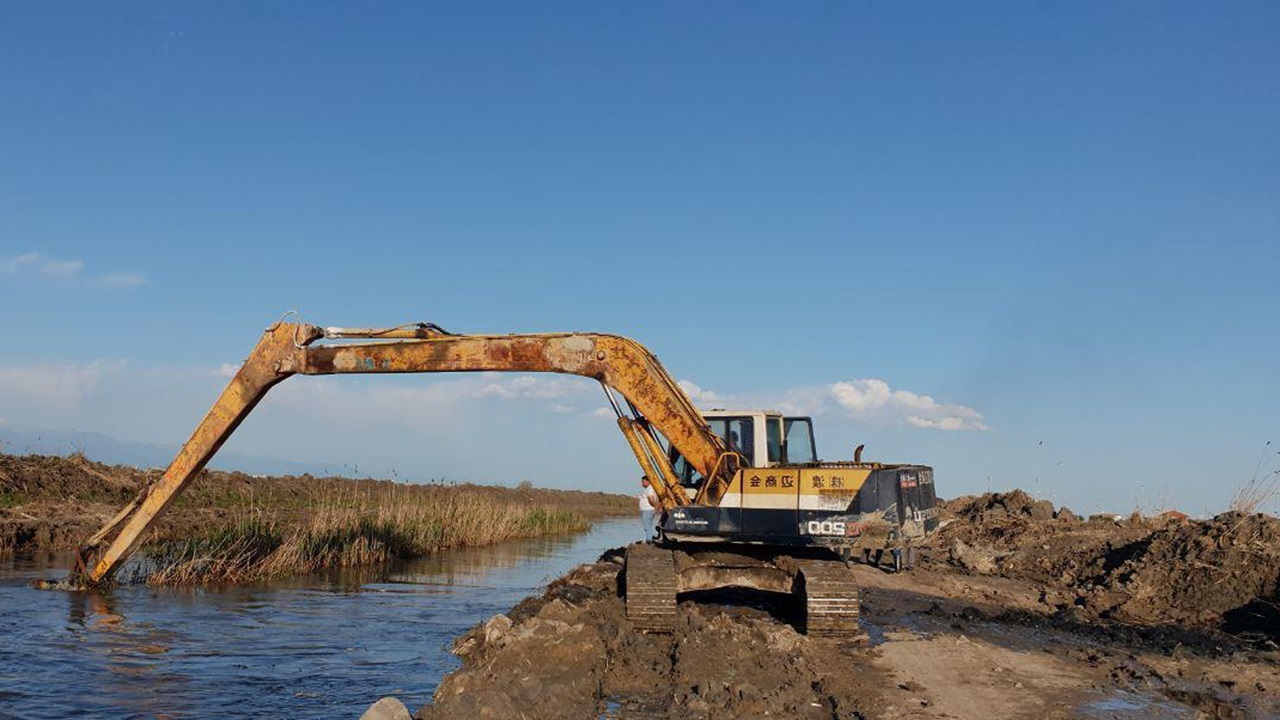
{"x": 648, "y": 506}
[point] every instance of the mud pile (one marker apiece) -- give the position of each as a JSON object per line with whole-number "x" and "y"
{"x": 572, "y": 654}
{"x": 1221, "y": 573}
{"x": 1224, "y": 571}
{"x": 43, "y": 476}
{"x": 1014, "y": 535}
{"x": 993, "y": 507}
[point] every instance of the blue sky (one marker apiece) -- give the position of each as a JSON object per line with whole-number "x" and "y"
{"x": 1060, "y": 222}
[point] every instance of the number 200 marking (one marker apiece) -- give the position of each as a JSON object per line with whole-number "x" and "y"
{"x": 825, "y": 527}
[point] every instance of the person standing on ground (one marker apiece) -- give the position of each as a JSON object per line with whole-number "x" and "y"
{"x": 648, "y": 506}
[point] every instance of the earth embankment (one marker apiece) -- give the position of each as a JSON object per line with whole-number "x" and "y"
{"x": 1218, "y": 574}
{"x": 1016, "y": 610}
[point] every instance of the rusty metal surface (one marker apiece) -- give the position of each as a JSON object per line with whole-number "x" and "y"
{"x": 618, "y": 362}
{"x": 267, "y": 365}
{"x": 720, "y": 568}
{"x": 757, "y": 577}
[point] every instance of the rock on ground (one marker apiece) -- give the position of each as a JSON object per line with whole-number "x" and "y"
{"x": 388, "y": 708}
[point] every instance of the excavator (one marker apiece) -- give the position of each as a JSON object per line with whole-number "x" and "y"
{"x": 745, "y": 503}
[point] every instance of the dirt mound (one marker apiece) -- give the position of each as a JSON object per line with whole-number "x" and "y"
{"x": 32, "y": 477}
{"x": 996, "y": 507}
{"x": 572, "y": 654}
{"x": 993, "y": 506}
{"x": 1192, "y": 573}
{"x": 1221, "y": 573}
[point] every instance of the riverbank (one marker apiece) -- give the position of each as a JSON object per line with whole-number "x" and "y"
{"x": 234, "y": 527}
{"x": 1017, "y": 610}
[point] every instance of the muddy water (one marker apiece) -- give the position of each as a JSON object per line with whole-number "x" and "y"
{"x": 320, "y": 646}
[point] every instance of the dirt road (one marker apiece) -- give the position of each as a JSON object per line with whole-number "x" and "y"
{"x": 1053, "y": 618}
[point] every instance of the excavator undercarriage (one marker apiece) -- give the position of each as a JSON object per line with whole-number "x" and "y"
{"x": 821, "y": 584}
{"x": 744, "y": 502}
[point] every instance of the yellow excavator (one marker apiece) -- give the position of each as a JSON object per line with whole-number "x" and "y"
{"x": 744, "y": 500}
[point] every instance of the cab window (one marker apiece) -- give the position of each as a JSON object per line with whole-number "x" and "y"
{"x": 717, "y": 426}
{"x": 742, "y": 437}
{"x": 799, "y": 445}
{"x": 687, "y": 476}
{"x": 773, "y": 436}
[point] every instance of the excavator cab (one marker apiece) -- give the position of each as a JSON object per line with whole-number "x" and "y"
{"x": 764, "y": 438}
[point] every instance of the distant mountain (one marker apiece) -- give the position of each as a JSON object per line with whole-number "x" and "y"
{"x": 22, "y": 440}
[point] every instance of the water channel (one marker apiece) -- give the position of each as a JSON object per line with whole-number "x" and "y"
{"x": 318, "y": 646}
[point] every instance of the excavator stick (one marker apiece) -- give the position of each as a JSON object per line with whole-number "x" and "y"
{"x": 286, "y": 349}
{"x": 268, "y": 364}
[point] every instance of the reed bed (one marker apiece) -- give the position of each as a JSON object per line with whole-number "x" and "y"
{"x": 347, "y": 529}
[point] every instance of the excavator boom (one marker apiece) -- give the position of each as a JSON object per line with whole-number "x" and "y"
{"x": 287, "y": 349}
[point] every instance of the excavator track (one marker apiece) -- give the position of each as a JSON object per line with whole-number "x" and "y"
{"x": 651, "y": 588}
{"x": 830, "y": 598}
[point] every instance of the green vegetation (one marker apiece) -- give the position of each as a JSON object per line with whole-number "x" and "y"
{"x": 12, "y": 499}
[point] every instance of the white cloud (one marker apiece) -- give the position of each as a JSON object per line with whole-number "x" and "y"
{"x": 872, "y": 400}
{"x": 20, "y": 262}
{"x": 869, "y": 400}
{"x": 226, "y": 370}
{"x": 523, "y": 386}
{"x": 66, "y": 270}
{"x": 861, "y": 396}
{"x": 57, "y": 386}
{"x": 698, "y": 395}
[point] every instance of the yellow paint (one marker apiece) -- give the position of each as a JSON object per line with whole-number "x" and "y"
{"x": 774, "y": 480}
{"x": 832, "y": 481}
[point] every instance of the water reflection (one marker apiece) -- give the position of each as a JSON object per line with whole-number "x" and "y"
{"x": 319, "y": 646}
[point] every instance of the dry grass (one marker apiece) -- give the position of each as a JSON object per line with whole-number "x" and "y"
{"x": 350, "y": 529}
{"x": 1252, "y": 496}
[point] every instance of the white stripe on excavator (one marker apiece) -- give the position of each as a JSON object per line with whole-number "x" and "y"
{"x": 783, "y": 501}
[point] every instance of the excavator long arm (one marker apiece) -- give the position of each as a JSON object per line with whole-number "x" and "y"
{"x": 287, "y": 349}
